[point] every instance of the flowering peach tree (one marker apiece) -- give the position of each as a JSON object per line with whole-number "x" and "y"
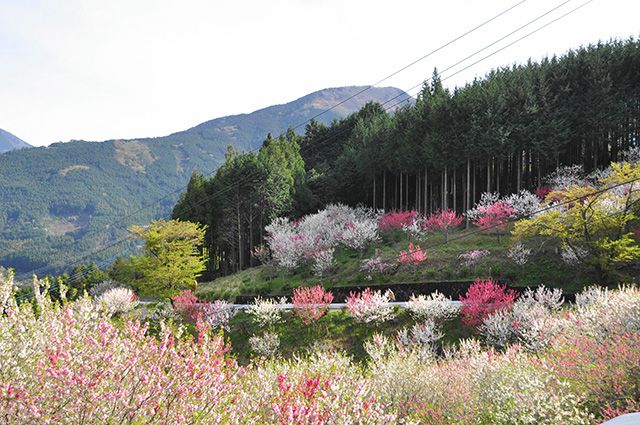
{"x": 443, "y": 221}
{"x": 311, "y": 303}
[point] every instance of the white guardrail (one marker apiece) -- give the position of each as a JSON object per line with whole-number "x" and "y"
{"x": 332, "y": 306}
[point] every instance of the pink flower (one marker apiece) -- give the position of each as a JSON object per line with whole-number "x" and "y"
{"x": 311, "y": 303}
{"x": 483, "y": 298}
{"x": 413, "y": 256}
{"x": 443, "y": 221}
{"x": 395, "y": 220}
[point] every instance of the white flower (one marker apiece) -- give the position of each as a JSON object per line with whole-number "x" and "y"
{"x": 218, "y": 313}
{"x": 266, "y": 312}
{"x": 434, "y": 307}
{"x": 323, "y": 262}
{"x": 265, "y": 345}
{"x": 519, "y": 254}
{"x": 525, "y": 203}
{"x": 118, "y": 300}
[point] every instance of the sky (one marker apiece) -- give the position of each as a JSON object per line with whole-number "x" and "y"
{"x": 98, "y": 70}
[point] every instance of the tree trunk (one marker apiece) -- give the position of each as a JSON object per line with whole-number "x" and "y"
{"x": 251, "y": 236}
{"x": 384, "y": 190}
{"x": 239, "y": 233}
{"x": 489, "y": 175}
{"x": 374, "y": 192}
{"x": 455, "y": 192}
{"x": 400, "y": 205}
{"x": 498, "y": 170}
{"x": 468, "y": 193}
{"x": 445, "y": 194}
{"x": 406, "y": 192}
{"x": 426, "y": 205}
{"x": 395, "y": 189}
{"x": 417, "y": 192}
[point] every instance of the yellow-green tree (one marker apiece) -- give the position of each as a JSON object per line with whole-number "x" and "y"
{"x": 592, "y": 222}
{"x": 172, "y": 259}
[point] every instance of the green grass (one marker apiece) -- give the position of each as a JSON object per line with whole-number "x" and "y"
{"x": 335, "y": 330}
{"x": 544, "y": 267}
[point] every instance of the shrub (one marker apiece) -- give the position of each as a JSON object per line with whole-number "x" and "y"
{"x": 186, "y": 303}
{"x": 471, "y": 258}
{"x": 266, "y": 312}
{"x": 103, "y": 287}
{"x": 322, "y": 261}
{"x": 311, "y": 303}
{"x": 266, "y": 345}
{"x": 442, "y": 221}
{"x": 519, "y": 254}
{"x": 529, "y": 322}
{"x": 600, "y": 312}
{"x": 414, "y": 255}
{"x": 605, "y": 370}
{"x": 542, "y": 192}
{"x": 434, "y": 307}
{"x": 421, "y": 338}
{"x": 217, "y": 314}
{"x": 482, "y": 299}
{"x": 495, "y": 217}
{"x": 262, "y": 254}
{"x": 374, "y": 265}
{"x": 370, "y": 306}
{"x": 524, "y": 203}
{"x": 359, "y": 233}
{"x": 118, "y": 300}
{"x": 313, "y": 239}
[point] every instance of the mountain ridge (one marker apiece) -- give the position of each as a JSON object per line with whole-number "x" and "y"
{"x": 70, "y": 194}
{"x": 9, "y": 142}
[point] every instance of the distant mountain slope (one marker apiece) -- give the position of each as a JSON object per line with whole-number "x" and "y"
{"x": 61, "y": 201}
{"x": 9, "y": 142}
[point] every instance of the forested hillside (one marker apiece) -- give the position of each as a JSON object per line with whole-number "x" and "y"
{"x": 60, "y": 202}
{"x": 500, "y": 133}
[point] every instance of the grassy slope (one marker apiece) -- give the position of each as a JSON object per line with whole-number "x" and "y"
{"x": 544, "y": 267}
{"x": 336, "y": 330}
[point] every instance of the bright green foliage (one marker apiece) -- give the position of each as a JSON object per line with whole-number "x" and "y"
{"x": 172, "y": 260}
{"x": 594, "y": 227}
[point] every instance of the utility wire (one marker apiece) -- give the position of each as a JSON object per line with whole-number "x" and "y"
{"x": 436, "y": 50}
{"x": 512, "y": 220}
{"x": 182, "y": 188}
{"x": 506, "y": 46}
{"x": 231, "y": 187}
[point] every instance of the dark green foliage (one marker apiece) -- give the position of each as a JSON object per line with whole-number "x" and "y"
{"x": 246, "y": 193}
{"x": 502, "y": 133}
{"x": 67, "y": 200}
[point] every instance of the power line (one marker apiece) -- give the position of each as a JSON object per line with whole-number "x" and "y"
{"x": 213, "y": 195}
{"x": 182, "y": 188}
{"x": 416, "y": 61}
{"x": 511, "y": 220}
{"x": 508, "y": 45}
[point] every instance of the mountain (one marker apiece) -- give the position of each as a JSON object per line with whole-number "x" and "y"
{"x": 62, "y": 201}
{"x": 9, "y": 142}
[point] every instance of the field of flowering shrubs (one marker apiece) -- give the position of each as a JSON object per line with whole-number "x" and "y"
{"x": 533, "y": 360}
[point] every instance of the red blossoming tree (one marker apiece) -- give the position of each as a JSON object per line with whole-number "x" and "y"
{"x": 482, "y": 299}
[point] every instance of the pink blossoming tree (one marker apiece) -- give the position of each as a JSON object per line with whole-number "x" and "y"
{"x": 311, "y": 303}
{"x": 442, "y": 221}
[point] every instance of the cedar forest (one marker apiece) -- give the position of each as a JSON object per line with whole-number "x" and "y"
{"x": 500, "y": 133}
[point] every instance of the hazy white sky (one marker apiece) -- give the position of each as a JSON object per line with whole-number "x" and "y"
{"x": 102, "y": 69}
